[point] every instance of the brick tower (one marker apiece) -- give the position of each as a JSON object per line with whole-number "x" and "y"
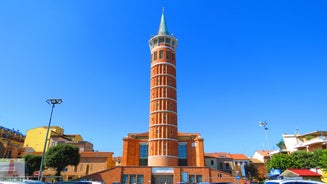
{"x": 163, "y": 131}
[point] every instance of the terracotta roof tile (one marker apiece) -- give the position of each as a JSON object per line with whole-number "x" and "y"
{"x": 218, "y": 155}
{"x": 264, "y": 153}
{"x": 239, "y": 157}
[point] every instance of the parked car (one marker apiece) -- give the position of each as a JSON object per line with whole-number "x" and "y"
{"x": 290, "y": 181}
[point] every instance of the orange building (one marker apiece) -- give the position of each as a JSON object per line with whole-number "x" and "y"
{"x": 91, "y": 162}
{"x": 190, "y": 149}
{"x": 11, "y": 143}
{"x": 163, "y": 155}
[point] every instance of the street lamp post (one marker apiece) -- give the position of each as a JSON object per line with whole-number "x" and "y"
{"x": 264, "y": 124}
{"x": 53, "y": 102}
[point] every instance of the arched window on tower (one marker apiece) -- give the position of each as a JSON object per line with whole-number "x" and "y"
{"x": 167, "y": 55}
{"x": 155, "y": 55}
{"x": 161, "y": 53}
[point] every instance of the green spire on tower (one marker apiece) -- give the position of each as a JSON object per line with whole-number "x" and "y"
{"x": 163, "y": 30}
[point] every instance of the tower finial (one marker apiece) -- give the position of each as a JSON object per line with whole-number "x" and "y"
{"x": 163, "y": 30}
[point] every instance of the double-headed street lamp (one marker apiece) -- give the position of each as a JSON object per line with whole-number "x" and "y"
{"x": 53, "y": 102}
{"x": 264, "y": 125}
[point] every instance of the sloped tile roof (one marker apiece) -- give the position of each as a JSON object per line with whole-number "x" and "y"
{"x": 264, "y": 153}
{"x": 239, "y": 157}
{"x": 96, "y": 154}
{"x": 304, "y": 172}
{"x": 227, "y": 155}
{"x": 218, "y": 155}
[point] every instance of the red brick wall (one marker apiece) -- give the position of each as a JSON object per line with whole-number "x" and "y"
{"x": 131, "y": 152}
{"x": 208, "y": 175}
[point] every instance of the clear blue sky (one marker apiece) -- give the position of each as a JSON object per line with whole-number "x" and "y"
{"x": 238, "y": 63}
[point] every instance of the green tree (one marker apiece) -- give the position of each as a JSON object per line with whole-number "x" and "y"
{"x": 32, "y": 163}
{"x": 302, "y": 159}
{"x": 61, "y": 156}
{"x": 281, "y": 144}
{"x": 279, "y": 161}
{"x": 320, "y": 157}
{"x": 299, "y": 159}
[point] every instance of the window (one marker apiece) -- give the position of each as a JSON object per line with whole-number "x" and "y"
{"x": 182, "y": 152}
{"x": 143, "y": 162}
{"x": 161, "y": 54}
{"x": 143, "y": 154}
{"x": 198, "y": 178}
{"x": 227, "y": 166}
{"x": 191, "y": 179}
{"x": 125, "y": 179}
{"x": 143, "y": 150}
{"x": 167, "y": 54}
{"x": 212, "y": 162}
{"x": 155, "y": 55}
{"x": 140, "y": 179}
{"x": 132, "y": 178}
{"x": 168, "y": 40}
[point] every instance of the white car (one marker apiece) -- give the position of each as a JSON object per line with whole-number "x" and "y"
{"x": 288, "y": 181}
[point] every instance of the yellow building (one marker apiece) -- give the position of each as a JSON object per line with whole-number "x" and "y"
{"x": 35, "y": 138}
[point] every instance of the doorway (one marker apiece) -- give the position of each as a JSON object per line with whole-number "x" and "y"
{"x": 163, "y": 179}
